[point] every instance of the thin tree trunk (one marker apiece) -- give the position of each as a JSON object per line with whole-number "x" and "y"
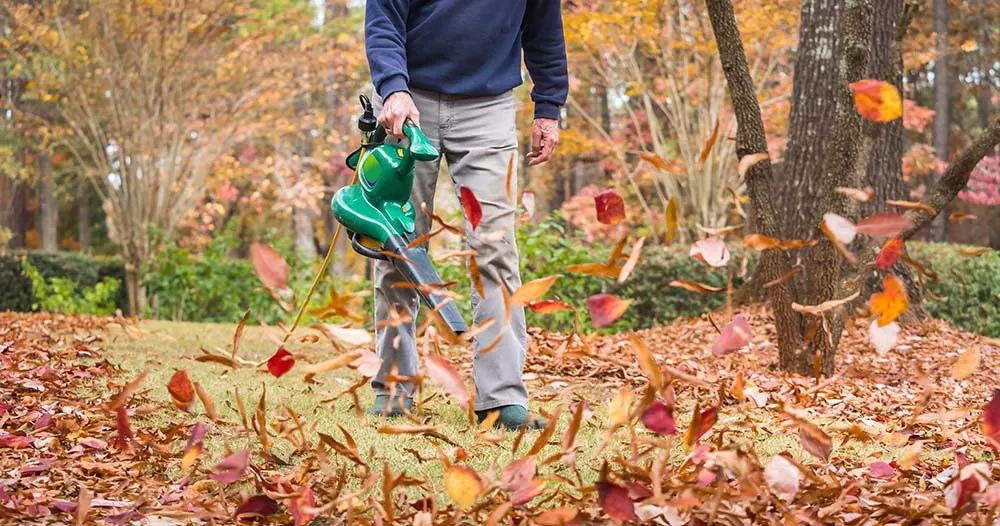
{"x": 83, "y": 213}
{"x": 812, "y": 113}
{"x": 942, "y": 104}
{"x": 48, "y": 217}
{"x": 985, "y": 89}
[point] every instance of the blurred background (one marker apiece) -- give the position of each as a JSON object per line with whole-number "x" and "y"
{"x": 144, "y": 145}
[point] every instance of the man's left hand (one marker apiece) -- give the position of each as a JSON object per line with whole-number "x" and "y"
{"x": 544, "y": 140}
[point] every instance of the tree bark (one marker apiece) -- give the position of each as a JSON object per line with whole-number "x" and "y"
{"x": 942, "y": 106}
{"x": 812, "y": 112}
{"x": 48, "y": 217}
{"x": 751, "y": 139}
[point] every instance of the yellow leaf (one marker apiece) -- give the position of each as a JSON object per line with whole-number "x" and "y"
{"x": 618, "y": 410}
{"x": 533, "y": 290}
{"x": 672, "y": 220}
{"x": 647, "y": 363}
{"x": 463, "y": 485}
{"x": 966, "y": 364}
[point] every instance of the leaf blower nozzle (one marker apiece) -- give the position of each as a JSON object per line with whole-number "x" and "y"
{"x": 379, "y": 217}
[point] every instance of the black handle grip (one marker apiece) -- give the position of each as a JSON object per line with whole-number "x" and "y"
{"x": 363, "y": 250}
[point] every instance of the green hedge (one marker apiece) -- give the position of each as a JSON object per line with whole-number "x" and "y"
{"x": 967, "y": 293}
{"x": 86, "y": 271}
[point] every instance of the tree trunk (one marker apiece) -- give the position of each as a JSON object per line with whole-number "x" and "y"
{"x": 83, "y": 213}
{"x": 48, "y": 217}
{"x": 942, "y": 106}
{"x": 812, "y": 112}
{"x": 985, "y": 89}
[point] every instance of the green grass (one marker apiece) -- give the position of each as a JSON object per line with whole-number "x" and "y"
{"x": 164, "y": 347}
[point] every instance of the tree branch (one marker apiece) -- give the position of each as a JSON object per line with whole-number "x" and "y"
{"x": 954, "y": 178}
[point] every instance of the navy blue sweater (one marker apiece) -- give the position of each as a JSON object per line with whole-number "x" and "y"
{"x": 468, "y": 47}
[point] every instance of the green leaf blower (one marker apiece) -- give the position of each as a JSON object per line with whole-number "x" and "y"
{"x": 378, "y": 215}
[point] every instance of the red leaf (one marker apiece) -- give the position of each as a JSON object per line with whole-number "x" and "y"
{"x": 605, "y": 309}
{"x": 271, "y": 267}
{"x": 891, "y": 250}
{"x": 991, "y": 421}
{"x": 548, "y": 306}
{"x": 659, "y": 418}
{"x": 441, "y": 372}
{"x": 280, "y": 363}
{"x": 734, "y": 337}
{"x": 301, "y": 507}
{"x": 610, "y": 207}
{"x": 881, "y": 470}
{"x": 701, "y": 422}
{"x": 231, "y": 468}
{"x": 124, "y": 429}
{"x": 615, "y": 502}
{"x": 473, "y": 210}
{"x": 181, "y": 390}
{"x": 883, "y": 225}
{"x": 258, "y": 506}
{"x": 15, "y": 441}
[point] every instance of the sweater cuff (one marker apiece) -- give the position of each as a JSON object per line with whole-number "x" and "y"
{"x": 392, "y": 85}
{"x": 546, "y": 110}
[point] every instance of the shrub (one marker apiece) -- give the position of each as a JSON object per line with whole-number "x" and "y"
{"x": 56, "y": 294}
{"x": 81, "y": 270}
{"x": 967, "y": 293}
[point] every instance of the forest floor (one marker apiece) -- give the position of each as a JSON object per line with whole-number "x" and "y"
{"x": 884, "y": 440}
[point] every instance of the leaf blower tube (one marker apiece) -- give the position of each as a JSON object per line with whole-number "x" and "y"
{"x": 415, "y": 266}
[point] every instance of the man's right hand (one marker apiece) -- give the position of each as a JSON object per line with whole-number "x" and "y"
{"x": 395, "y": 110}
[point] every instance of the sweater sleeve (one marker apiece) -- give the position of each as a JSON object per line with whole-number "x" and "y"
{"x": 385, "y": 44}
{"x": 545, "y": 56}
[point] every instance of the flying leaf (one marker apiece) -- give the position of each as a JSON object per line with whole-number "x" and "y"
{"x": 659, "y": 418}
{"x": 127, "y": 391}
{"x": 974, "y": 251}
{"x": 601, "y": 270}
{"x": 884, "y": 225}
{"x": 615, "y": 501}
{"x": 181, "y": 390}
{"x": 257, "y": 506}
{"x": 694, "y": 286}
{"x": 711, "y": 251}
{"x": 734, "y": 337}
{"x": 991, "y": 421}
{"x": 817, "y": 310}
{"x": 841, "y": 228}
{"x": 633, "y": 259}
{"x": 891, "y": 302}
{"x": 231, "y": 468}
{"x": 861, "y": 196}
{"x": 441, "y": 372}
{"x": 749, "y": 161}
{"x": 367, "y": 364}
{"x": 814, "y": 440}
{"x": 783, "y": 478}
{"x": 510, "y": 178}
{"x": 610, "y": 207}
{"x": 280, "y": 363}
{"x": 891, "y": 250}
{"x": 701, "y": 422}
{"x": 911, "y": 205}
{"x": 330, "y": 365}
{"x": 618, "y": 410}
{"x": 533, "y": 290}
{"x": 195, "y": 446}
{"x": 518, "y": 473}
{"x": 463, "y": 485}
{"x": 271, "y": 267}
{"x": 672, "y": 218}
{"x": 883, "y": 337}
{"x": 557, "y": 517}
{"x": 707, "y": 149}
{"x": 476, "y": 276}
{"x": 877, "y": 100}
{"x": 966, "y": 364}
{"x": 473, "y": 210}
{"x": 123, "y": 428}
{"x": 344, "y": 336}
{"x": 647, "y": 364}
{"x": 655, "y": 160}
{"x": 528, "y": 202}
{"x": 605, "y": 309}
{"x": 762, "y": 242}
{"x": 548, "y": 306}
{"x": 206, "y": 402}
{"x": 958, "y": 217}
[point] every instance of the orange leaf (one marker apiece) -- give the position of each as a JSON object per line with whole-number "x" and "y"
{"x": 694, "y": 286}
{"x": 817, "y": 310}
{"x": 991, "y": 421}
{"x": 647, "y": 364}
{"x": 271, "y": 267}
{"x": 815, "y": 440}
{"x": 548, "y": 306}
{"x": 181, "y": 390}
{"x": 672, "y": 220}
{"x": 463, "y": 485}
{"x": 610, "y": 207}
{"x": 605, "y": 309}
{"x": 877, "y": 100}
{"x": 701, "y": 422}
{"x": 762, "y": 242}
{"x": 655, "y": 160}
{"x": 974, "y": 251}
{"x": 891, "y": 302}
{"x": 476, "y": 276}
{"x": 618, "y": 410}
{"x": 195, "y": 446}
{"x": 891, "y": 250}
{"x": 958, "y": 217}
{"x": 602, "y": 270}
{"x": 533, "y": 290}
{"x": 707, "y": 149}
{"x": 473, "y": 210}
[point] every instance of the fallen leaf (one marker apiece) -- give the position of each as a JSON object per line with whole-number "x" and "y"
{"x": 783, "y": 478}
{"x": 815, "y": 440}
{"x": 966, "y": 364}
{"x": 533, "y": 290}
{"x": 884, "y": 225}
{"x": 181, "y": 390}
{"x": 271, "y": 267}
{"x": 441, "y": 372}
{"x": 280, "y": 363}
{"x": 991, "y": 421}
{"x": 711, "y": 251}
{"x": 891, "y": 250}
{"x": 257, "y": 506}
{"x": 473, "y": 210}
{"x": 231, "y": 468}
{"x": 605, "y": 309}
{"x": 463, "y": 485}
{"x": 734, "y": 336}
{"x": 659, "y": 418}
{"x": 610, "y": 207}
{"x": 881, "y": 470}
{"x": 891, "y": 302}
{"x": 877, "y": 100}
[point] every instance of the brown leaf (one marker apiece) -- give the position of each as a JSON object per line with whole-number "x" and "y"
{"x": 974, "y": 251}
{"x": 206, "y": 402}
{"x": 966, "y": 364}
{"x": 958, "y": 217}
{"x": 814, "y": 440}
{"x": 476, "y": 276}
{"x": 694, "y": 286}
{"x": 601, "y": 270}
{"x": 861, "y": 196}
{"x": 238, "y": 335}
{"x": 331, "y": 365}
{"x": 762, "y": 242}
{"x": 701, "y": 422}
{"x": 911, "y": 205}
{"x": 655, "y": 160}
{"x": 126, "y": 393}
{"x": 510, "y": 178}
{"x": 647, "y": 364}
{"x": 83, "y": 501}
{"x": 181, "y": 390}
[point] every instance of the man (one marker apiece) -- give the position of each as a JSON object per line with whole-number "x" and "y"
{"x": 450, "y": 66}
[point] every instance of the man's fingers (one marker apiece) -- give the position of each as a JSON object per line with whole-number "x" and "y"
{"x": 536, "y": 139}
{"x": 415, "y": 117}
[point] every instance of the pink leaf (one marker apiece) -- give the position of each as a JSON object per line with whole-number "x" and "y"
{"x": 884, "y": 225}
{"x": 734, "y": 337}
{"x": 711, "y": 251}
{"x": 271, "y": 267}
{"x": 231, "y": 468}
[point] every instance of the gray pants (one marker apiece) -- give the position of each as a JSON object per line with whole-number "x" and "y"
{"x": 476, "y": 137}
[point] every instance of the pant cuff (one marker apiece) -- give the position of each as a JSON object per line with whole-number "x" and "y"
{"x": 493, "y": 404}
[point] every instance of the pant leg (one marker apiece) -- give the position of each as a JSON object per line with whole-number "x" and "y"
{"x": 396, "y": 345}
{"x": 479, "y": 137}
